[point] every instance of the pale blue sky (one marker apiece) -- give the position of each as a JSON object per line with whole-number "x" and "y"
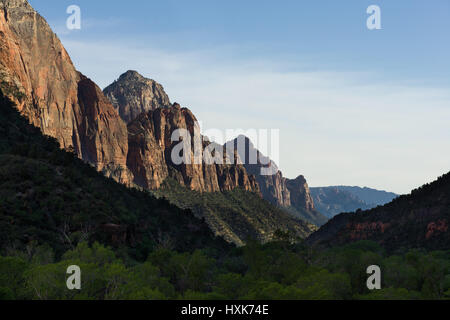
{"x": 354, "y": 106}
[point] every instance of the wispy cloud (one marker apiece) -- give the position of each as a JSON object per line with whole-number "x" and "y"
{"x": 336, "y": 127}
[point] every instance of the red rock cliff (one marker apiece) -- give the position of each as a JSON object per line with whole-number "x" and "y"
{"x": 38, "y": 75}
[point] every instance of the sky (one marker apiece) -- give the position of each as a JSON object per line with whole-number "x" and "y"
{"x": 354, "y": 106}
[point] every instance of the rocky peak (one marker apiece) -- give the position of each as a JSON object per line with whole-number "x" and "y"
{"x": 131, "y": 75}
{"x": 133, "y": 94}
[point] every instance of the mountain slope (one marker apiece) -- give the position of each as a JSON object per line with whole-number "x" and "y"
{"x": 417, "y": 220}
{"x": 48, "y": 196}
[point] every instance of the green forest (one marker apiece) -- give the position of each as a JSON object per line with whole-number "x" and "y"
{"x": 276, "y": 270}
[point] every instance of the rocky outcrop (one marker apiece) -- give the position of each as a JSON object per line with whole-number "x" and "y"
{"x": 132, "y": 94}
{"x": 37, "y": 74}
{"x": 150, "y": 155}
{"x": 300, "y": 194}
{"x": 418, "y": 220}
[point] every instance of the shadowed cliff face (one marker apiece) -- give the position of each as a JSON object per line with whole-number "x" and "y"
{"x": 132, "y": 94}
{"x": 37, "y": 74}
{"x": 150, "y": 155}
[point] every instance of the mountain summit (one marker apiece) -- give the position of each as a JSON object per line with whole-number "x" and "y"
{"x": 133, "y": 94}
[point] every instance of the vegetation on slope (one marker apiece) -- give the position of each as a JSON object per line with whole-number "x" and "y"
{"x": 237, "y": 215}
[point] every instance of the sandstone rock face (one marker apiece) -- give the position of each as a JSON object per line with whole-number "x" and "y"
{"x": 151, "y": 162}
{"x": 102, "y": 133}
{"x": 132, "y": 94}
{"x": 38, "y": 75}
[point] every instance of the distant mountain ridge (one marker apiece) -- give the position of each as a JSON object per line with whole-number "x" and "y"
{"x": 417, "y": 220}
{"x": 369, "y": 195}
{"x": 333, "y": 200}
